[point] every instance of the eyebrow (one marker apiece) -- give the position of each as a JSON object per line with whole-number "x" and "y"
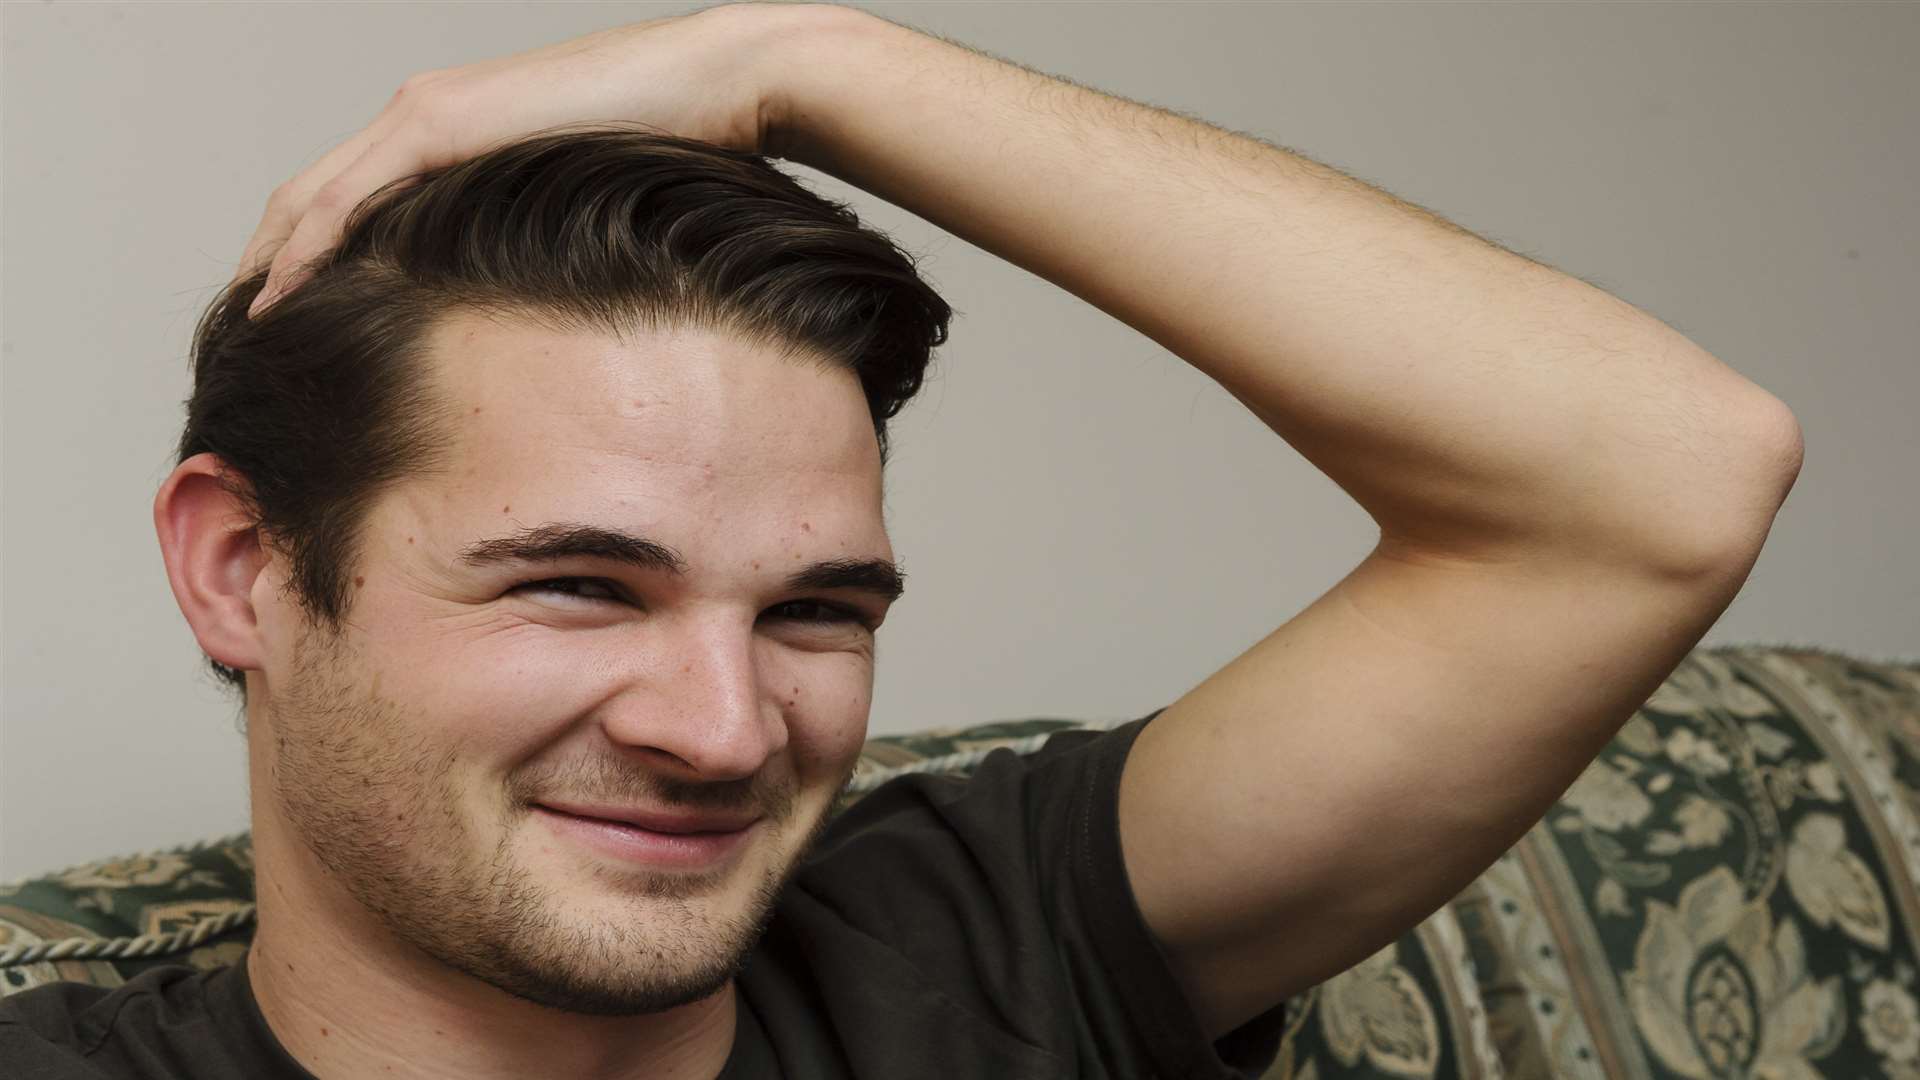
{"x": 561, "y": 540}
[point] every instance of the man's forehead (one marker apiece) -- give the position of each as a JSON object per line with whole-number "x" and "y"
{"x": 685, "y": 427}
{"x": 688, "y": 396}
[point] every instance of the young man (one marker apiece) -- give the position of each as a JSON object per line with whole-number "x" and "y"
{"x": 536, "y": 510}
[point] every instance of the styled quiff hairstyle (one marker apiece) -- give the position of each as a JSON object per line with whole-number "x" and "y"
{"x": 323, "y": 401}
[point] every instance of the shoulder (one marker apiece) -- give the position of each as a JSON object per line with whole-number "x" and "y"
{"x": 986, "y": 804}
{"x": 80, "y": 1015}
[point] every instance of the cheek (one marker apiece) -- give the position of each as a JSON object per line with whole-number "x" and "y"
{"x": 495, "y": 686}
{"x": 827, "y": 717}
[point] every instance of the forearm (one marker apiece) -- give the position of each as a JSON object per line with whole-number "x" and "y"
{"x": 1472, "y": 401}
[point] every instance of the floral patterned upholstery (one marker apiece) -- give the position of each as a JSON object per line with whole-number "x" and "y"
{"x": 1731, "y": 890}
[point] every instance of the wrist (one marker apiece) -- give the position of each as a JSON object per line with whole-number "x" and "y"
{"x": 797, "y": 48}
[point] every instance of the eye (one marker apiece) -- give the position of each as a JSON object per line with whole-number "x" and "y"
{"x": 580, "y": 588}
{"x": 821, "y": 611}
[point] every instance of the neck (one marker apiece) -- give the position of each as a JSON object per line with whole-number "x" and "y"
{"x": 346, "y": 998}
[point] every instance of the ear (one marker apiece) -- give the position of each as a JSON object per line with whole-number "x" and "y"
{"x": 213, "y": 558}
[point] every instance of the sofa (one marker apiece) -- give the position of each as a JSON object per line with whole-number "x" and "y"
{"x": 1730, "y": 890}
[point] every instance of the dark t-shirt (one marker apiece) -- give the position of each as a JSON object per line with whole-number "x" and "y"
{"x": 966, "y": 928}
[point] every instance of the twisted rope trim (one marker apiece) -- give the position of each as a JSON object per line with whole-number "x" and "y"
{"x": 966, "y": 759}
{"x": 1831, "y": 653}
{"x": 185, "y": 939}
{"x": 80, "y": 948}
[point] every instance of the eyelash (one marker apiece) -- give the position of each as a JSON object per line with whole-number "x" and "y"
{"x": 840, "y": 613}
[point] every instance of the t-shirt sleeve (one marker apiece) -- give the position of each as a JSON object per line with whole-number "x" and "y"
{"x": 169, "y": 1022}
{"x": 1007, "y": 888}
{"x": 37, "y": 1034}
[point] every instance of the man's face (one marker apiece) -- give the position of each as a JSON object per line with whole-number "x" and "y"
{"x": 408, "y": 755}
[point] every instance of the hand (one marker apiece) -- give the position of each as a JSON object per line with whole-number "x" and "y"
{"x": 698, "y": 76}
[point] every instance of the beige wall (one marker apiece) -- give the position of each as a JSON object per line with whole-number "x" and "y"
{"x": 1091, "y": 526}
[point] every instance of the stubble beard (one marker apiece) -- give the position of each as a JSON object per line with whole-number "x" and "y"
{"x": 378, "y": 807}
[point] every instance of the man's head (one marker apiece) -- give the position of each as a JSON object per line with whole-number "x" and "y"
{"x": 559, "y": 482}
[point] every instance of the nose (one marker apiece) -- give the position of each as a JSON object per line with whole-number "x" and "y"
{"x": 699, "y": 700}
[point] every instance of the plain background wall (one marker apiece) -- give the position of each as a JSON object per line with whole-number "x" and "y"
{"x": 1090, "y": 526}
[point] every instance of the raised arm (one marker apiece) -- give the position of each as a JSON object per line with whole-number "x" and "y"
{"x": 1474, "y": 402}
{"x": 1569, "y": 492}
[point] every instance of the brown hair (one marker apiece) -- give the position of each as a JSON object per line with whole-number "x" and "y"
{"x": 321, "y": 402}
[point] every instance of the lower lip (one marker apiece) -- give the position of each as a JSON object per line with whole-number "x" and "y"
{"x": 634, "y": 844}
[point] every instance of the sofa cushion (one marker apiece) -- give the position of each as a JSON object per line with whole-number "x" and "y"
{"x": 1731, "y": 889}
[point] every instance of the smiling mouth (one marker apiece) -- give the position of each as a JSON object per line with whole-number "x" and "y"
{"x": 630, "y": 843}
{"x": 639, "y": 827}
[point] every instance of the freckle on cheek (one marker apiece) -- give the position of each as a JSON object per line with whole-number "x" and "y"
{"x": 359, "y": 581}
{"x": 504, "y": 509}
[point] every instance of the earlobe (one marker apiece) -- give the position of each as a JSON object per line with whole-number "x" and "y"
{"x": 213, "y": 559}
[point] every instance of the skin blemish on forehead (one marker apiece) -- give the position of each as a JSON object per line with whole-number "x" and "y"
{"x": 804, "y": 527}
{"x": 359, "y": 581}
{"x": 756, "y": 564}
{"x": 476, "y": 408}
{"x": 504, "y": 509}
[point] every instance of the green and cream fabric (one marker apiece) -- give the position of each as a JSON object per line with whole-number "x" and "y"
{"x": 1731, "y": 891}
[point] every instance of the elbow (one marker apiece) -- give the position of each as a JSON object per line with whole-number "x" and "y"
{"x": 1734, "y": 513}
